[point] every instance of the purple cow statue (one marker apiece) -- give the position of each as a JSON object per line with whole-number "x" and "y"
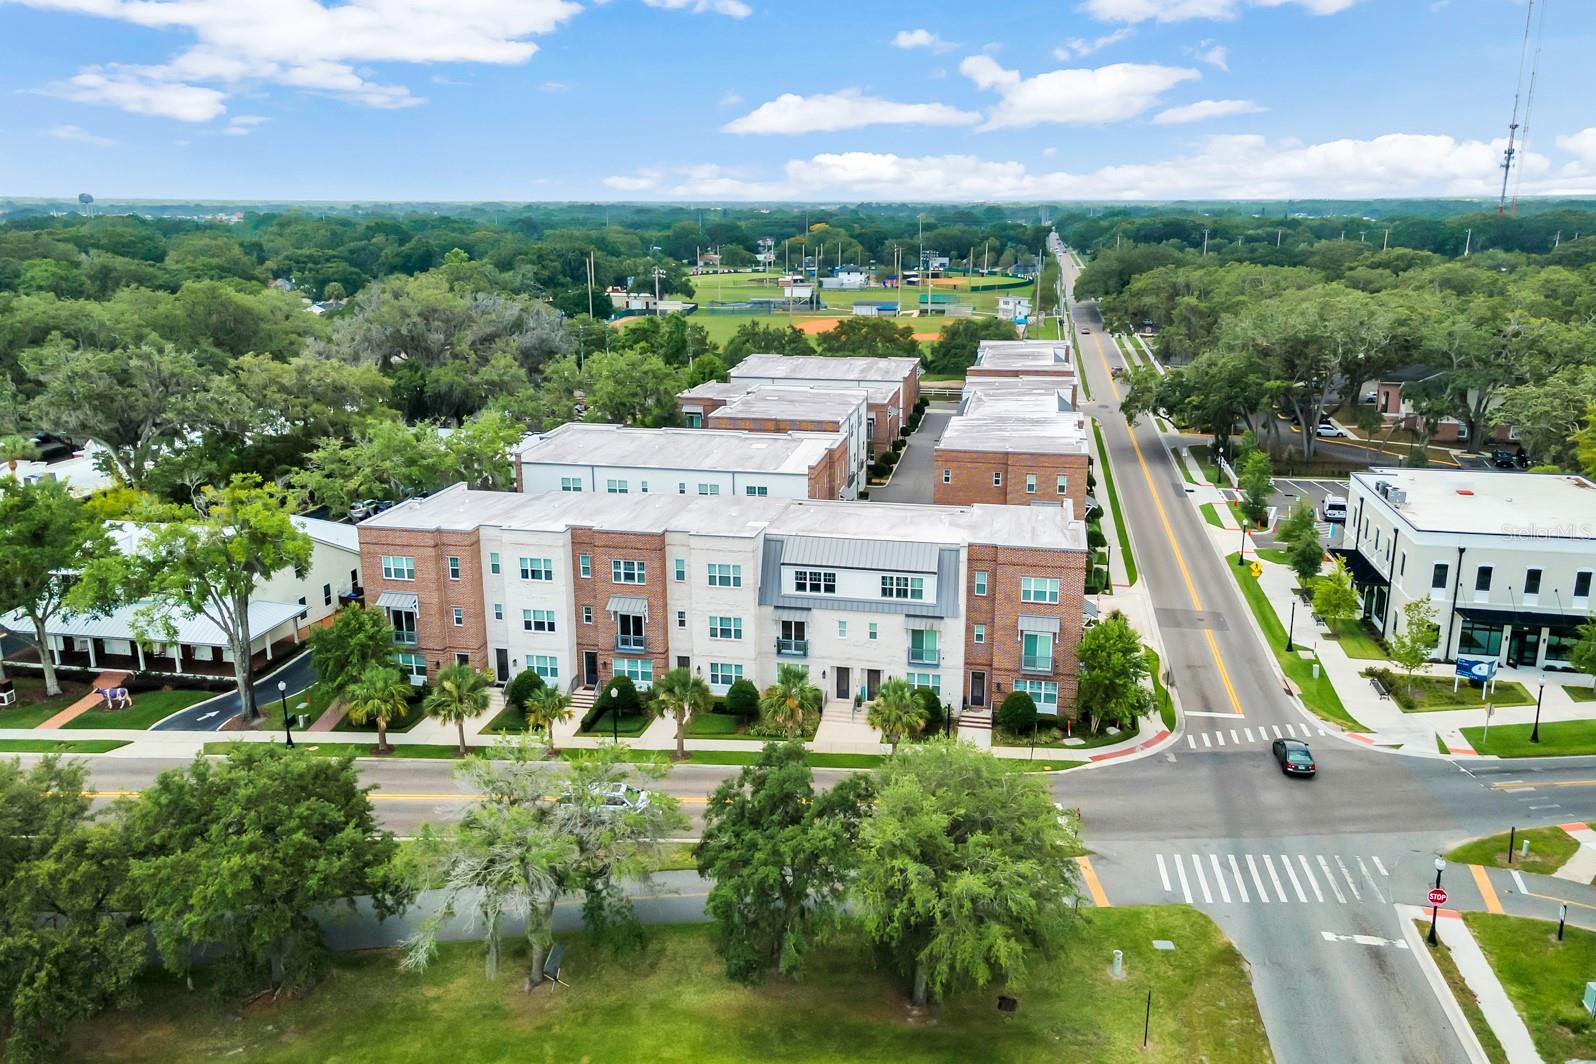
{"x": 114, "y": 697}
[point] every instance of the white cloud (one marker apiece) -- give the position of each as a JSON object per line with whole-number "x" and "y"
{"x": 244, "y": 125}
{"x": 555, "y": 87}
{"x": 920, "y": 38}
{"x": 642, "y": 181}
{"x": 1080, "y": 96}
{"x": 1180, "y": 10}
{"x": 1049, "y": 151}
{"x": 1215, "y": 55}
{"x": 847, "y": 109}
{"x": 1203, "y": 110}
{"x": 729, "y": 99}
{"x": 79, "y": 135}
{"x": 1076, "y": 47}
{"x": 733, "y": 8}
{"x": 1581, "y": 145}
{"x": 317, "y": 45}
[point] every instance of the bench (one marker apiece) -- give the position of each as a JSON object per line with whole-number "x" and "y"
{"x": 1379, "y": 688}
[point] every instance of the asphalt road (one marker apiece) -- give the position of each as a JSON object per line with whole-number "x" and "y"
{"x": 214, "y": 713}
{"x": 912, "y": 478}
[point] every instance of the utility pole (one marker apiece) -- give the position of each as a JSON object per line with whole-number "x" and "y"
{"x": 1278, "y": 234}
{"x": 1386, "y": 242}
{"x": 1205, "y": 243}
{"x": 1468, "y": 239}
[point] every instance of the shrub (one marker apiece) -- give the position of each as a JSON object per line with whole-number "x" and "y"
{"x": 1096, "y": 580}
{"x": 1017, "y": 713}
{"x": 619, "y": 695}
{"x": 1095, "y": 538}
{"x": 931, "y": 702}
{"x": 864, "y": 493}
{"x": 526, "y": 684}
{"x": 742, "y": 699}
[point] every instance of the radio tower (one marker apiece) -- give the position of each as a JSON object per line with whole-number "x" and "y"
{"x": 1513, "y": 148}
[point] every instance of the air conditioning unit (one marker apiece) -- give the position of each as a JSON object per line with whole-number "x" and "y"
{"x": 1396, "y": 497}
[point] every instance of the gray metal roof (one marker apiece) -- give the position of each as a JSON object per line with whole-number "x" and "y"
{"x": 191, "y": 629}
{"x": 398, "y": 600}
{"x": 841, "y": 553}
{"x": 775, "y": 556}
{"x": 1030, "y": 622}
{"x": 627, "y": 604}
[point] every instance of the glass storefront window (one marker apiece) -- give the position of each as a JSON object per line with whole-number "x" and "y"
{"x": 1480, "y": 640}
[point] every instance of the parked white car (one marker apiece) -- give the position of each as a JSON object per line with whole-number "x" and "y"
{"x": 1329, "y": 429}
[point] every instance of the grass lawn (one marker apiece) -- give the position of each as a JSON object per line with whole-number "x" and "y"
{"x": 1053, "y": 738}
{"x": 1319, "y": 695}
{"x": 1120, "y": 531}
{"x": 1273, "y": 554}
{"x": 625, "y": 728}
{"x": 1580, "y": 694}
{"x": 411, "y": 718}
{"x": 1550, "y": 849}
{"x": 1564, "y": 738}
{"x": 32, "y": 708}
{"x": 1182, "y": 465}
{"x": 1433, "y": 694}
{"x": 60, "y": 746}
{"x": 1544, "y": 978}
{"x": 1357, "y": 641}
{"x": 148, "y": 708}
{"x": 671, "y": 1001}
{"x": 718, "y": 726}
{"x": 1442, "y": 955}
{"x": 1166, "y": 704}
{"x": 1211, "y": 515}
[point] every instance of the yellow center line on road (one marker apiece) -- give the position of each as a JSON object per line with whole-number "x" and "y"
{"x": 1493, "y": 904}
{"x": 395, "y": 796}
{"x": 1169, "y": 531}
{"x": 1094, "y": 886}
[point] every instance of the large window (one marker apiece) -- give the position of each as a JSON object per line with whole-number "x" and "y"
{"x": 631, "y": 633}
{"x": 398, "y": 567}
{"x": 903, "y": 587}
{"x": 723, "y": 675}
{"x": 546, "y": 666}
{"x": 628, "y": 572}
{"x": 925, "y": 679}
{"x": 1043, "y": 692}
{"x": 708, "y": 489}
{"x": 454, "y": 567}
{"x": 570, "y": 483}
{"x": 639, "y": 670}
{"x": 1482, "y": 581}
{"x": 537, "y": 569}
{"x": 814, "y": 582}
{"x": 414, "y": 666}
{"x": 1560, "y": 643}
{"x": 1582, "y": 585}
{"x": 1036, "y": 651}
{"x": 584, "y": 565}
{"x": 1479, "y": 640}
{"x": 725, "y": 575}
{"x": 537, "y": 620}
{"x": 615, "y": 487}
{"x": 1038, "y": 589}
{"x": 404, "y": 626}
{"x": 1532, "y": 582}
{"x": 980, "y": 581}
{"x": 923, "y": 647}
{"x": 725, "y": 627}
{"x": 794, "y": 639}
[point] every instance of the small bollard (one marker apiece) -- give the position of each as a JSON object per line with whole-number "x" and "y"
{"x": 1119, "y": 964}
{"x": 1523, "y": 850}
{"x": 1316, "y": 670}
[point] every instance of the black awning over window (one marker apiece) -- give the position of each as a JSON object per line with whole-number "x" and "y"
{"x": 1363, "y": 571}
{"x": 1520, "y": 618}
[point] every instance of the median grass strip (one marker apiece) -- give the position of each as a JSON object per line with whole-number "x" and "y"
{"x": 60, "y": 746}
{"x": 1211, "y": 515}
{"x": 1161, "y": 696}
{"x": 1318, "y": 694}
{"x": 1120, "y": 531}
{"x": 1434, "y": 694}
{"x": 1563, "y": 738}
{"x": 1550, "y": 849}
{"x": 1544, "y": 979}
{"x": 149, "y": 707}
{"x": 670, "y": 1000}
{"x": 1442, "y": 955}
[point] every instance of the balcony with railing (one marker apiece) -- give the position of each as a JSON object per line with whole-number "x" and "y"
{"x": 925, "y": 656}
{"x": 1038, "y": 663}
{"x": 631, "y": 644}
{"x": 792, "y": 648}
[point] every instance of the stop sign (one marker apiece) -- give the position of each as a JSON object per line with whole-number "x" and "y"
{"x": 1437, "y": 896}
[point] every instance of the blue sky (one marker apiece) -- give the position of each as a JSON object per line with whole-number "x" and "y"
{"x": 722, "y": 100}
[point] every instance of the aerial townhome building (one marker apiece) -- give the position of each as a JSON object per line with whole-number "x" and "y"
{"x": 743, "y": 407}
{"x": 970, "y": 601}
{"x": 1014, "y": 440}
{"x": 1507, "y": 559}
{"x": 895, "y": 383}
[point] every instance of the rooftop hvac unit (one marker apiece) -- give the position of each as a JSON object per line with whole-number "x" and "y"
{"x": 1383, "y": 488}
{"x": 1396, "y": 496}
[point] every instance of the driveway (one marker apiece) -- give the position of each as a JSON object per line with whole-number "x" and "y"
{"x": 214, "y": 713}
{"x": 912, "y": 479}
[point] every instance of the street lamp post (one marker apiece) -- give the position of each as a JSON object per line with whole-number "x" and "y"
{"x": 615, "y": 722}
{"x": 1241, "y": 555}
{"x": 1291, "y": 626}
{"x": 1535, "y": 732}
{"x": 288, "y": 722}
{"x": 1435, "y": 910}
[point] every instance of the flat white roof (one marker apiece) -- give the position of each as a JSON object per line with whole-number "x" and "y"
{"x": 589, "y": 444}
{"x": 826, "y": 368}
{"x": 460, "y": 509}
{"x": 1023, "y": 415}
{"x": 875, "y": 391}
{"x": 1481, "y": 502}
{"x": 780, "y": 401}
{"x": 1043, "y": 355}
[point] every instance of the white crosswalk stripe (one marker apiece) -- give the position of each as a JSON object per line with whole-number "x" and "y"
{"x": 1219, "y": 737}
{"x": 1211, "y": 739}
{"x": 1270, "y": 878}
{"x": 1248, "y": 732}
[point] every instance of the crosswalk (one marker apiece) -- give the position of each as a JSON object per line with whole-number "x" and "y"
{"x": 1272, "y": 878}
{"x": 1216, "y": 738}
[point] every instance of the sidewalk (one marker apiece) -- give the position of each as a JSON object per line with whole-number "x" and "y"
{"x": 1499, "y": 1013}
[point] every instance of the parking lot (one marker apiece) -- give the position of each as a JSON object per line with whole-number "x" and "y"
{"x": 1291, "y": 490}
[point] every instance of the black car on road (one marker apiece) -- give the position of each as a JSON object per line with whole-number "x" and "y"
{"x": 1295, "y": 758}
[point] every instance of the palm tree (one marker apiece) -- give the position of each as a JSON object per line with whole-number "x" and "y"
{"x": 461, "y": 692}
{"x": 545, "y": 708}
{"x": 682, "y": 695}
{"x": 381, "y": 694}
{"x": 896, "y": 712}
{"x": 14, "y": 449}
{"x": 790, "y": 699}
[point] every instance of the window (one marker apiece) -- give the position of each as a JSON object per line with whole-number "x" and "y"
{"x": 903, "y": 587}
{"x": 708, "y": 489}
{"x": 979, "y": 635}
{"x": 1582, "y": 585}
{"x": 1482, "y": 580}
{"x": 695, "y": 421}
{"x": 1030, "y": 483}
{"x": 628, "y": 572}
{"x": 398, "y": 567}
{"x": 947, "y": 476}
{"x": 1532, "y": 582}
{"x": 326, "y": 594}
{"x": 493, "y": 562}
{"x": 412, "y": 665}
{"x": 681, "y": 570}
{"x": 1479, "y": 640}
{"x": 404, "y": 626}
{"x": 615, "y": 487}
{"x": 1402, "y": 563}
{"x": 1063, "y": 484}
{"x": 454, "y": 567}
{"x": 457, "y": 615}
{"x": 584, "y": 565}
{"x": 1038, "y": 589}
{"x": 302, "y": 601}
{"x": 925, "y": 679}
{"x": 980, "y": 581}
{"x": 1036, "y": 651}
{"x": 537, "y": 620}
{"x": 1042, "y": 692}
{"x": 923, "y": 647}
{"x": 997, "y": 480}
{"x": 645, "y": 487}
{"x": 546, "y": 666}
{"x": 462, "y": 659}
{"x": 681, "y": 487}
{"x": 639, "y": 670}
{"x": 681, "y": 618}
{"x": 1438, "y": 578}
{"x": 725, "y": 627}
{"x": 631, "y": 633}
{"x": 725, "y": 575}
{"x": 842, "y": 629}
{"x": 757, "y": 489}
{"x": 794, "y": 639}
{"x": 570, "y": 483}
{"x": 814, "y": 581}
{"x": 537, "y": 569}
{"x": 724, "y": 675}
{"x": 498, "y": 611}
{"x": 587, "y": 614}
{"x": 875, "y": 630}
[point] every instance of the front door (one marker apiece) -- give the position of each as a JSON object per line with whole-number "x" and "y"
{"x": 1523, "y": 648}
{"x": 501, "y": 664}
{"x": 589, "y": 668}
{"x": 872, "y": 683}
{"x": 843, "y": 680}
{"x": 977, "y": 688}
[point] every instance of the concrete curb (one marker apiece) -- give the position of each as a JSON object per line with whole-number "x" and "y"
{"x": 1406, "y": 914}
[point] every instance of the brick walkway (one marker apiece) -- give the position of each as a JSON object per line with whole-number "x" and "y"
{"x": 88, "y": 701}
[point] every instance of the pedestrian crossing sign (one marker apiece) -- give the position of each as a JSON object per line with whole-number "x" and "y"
{"x": 1256, "y": 569}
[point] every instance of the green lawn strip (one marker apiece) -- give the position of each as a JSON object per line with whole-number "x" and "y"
{"x": 1357, "y": 641}
{"x": 1544, "y": 979}
{"x": 1215, "y": 477}
{"x": 60, "y": 746}
{"x": 1166, "y": 704}
{"x": 508, "y": 721}
{"x": 718, "y": 726}
{"x": 1182, "y": 465}
{"x": 415, "y": 715}
{"x": 1441, "y": 747}
{"x": 1319, "y": 695}
{"x": 32, "y": 708}
{"x": 1053, "y": 738}
{"x": 149, "y": 707}
{"x": 1550, "y": 849}
{"x": 1434, "y": 694}
{"x": 1442, "y": 955}
{"x": 670, "y": 1000}
{"x": 1273, "y": 554}
{"x": 1211, "y": 515}
{"x": 1120, "y": 530}
{"x": 403, "y": 751}
{"x": 1563, "y": 738}
{"x": 626, "y": 727}
{"x": 1580, "y": 694}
